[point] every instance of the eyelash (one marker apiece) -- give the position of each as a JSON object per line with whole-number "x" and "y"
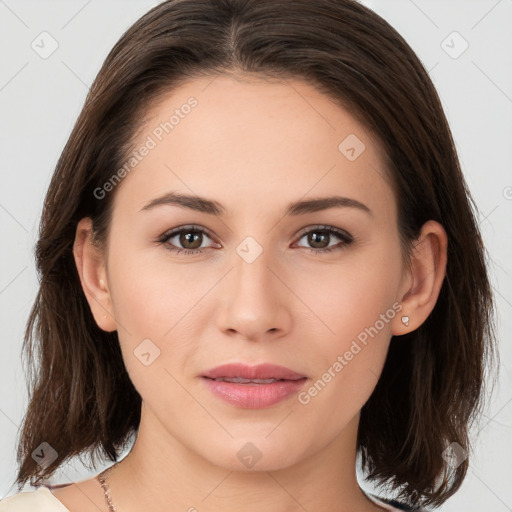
{"x": 342, "y": 235}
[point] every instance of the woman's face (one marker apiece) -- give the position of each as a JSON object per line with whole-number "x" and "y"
{"x": 252, "y": 283}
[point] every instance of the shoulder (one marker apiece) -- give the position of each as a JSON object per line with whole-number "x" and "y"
{"x": 39, "y": 500}
{"x": 392, "y": 505}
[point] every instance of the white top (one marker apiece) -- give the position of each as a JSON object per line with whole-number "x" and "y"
{"x": 42, "y": 500}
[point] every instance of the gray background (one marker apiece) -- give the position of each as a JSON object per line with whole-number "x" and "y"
{"x": 40, "y": 99}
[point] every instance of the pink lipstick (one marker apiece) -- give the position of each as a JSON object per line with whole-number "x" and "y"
{"x": 253, "y": 387}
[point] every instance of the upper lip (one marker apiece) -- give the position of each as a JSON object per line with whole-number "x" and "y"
{"x": 260, "y": 371}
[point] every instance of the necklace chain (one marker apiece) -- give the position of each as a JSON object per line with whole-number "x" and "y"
{"x": 102, "y": 479}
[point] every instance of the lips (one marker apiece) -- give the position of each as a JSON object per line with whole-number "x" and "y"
{"x": 256, "y": 374}
{"x": 253, "y": 387}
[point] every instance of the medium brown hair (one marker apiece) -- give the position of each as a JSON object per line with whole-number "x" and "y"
{"x": 431, "y": 387}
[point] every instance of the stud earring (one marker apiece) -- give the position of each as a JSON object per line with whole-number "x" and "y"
{"x": 405, "y": 320}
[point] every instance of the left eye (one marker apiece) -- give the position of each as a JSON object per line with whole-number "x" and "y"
{"x": 319, "y": 235}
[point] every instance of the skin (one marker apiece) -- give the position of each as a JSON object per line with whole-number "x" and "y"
{"x": 254, "y": 146}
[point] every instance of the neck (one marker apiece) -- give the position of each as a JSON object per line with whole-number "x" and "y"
{"x": 160, "y": 473}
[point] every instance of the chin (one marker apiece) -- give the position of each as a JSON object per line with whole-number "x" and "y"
{"x": 255, "y": 454}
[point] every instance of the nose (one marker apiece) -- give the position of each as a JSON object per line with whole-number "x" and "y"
{"x": 254, "y": 302}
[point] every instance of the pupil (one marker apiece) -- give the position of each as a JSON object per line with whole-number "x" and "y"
{"x": 316, "y": 240}
{"x": 190, "y": 237}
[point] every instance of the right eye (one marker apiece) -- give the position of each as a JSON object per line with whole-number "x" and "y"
{"x": 189, "y": 237}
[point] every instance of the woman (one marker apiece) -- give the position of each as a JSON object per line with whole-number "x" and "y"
{"x": 258, "y": 254}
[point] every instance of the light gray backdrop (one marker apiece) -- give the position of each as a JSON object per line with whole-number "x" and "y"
{"x": 50, "y": 52}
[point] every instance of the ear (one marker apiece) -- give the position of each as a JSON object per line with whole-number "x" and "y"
{"x": 422, "y": 283}
{"x": 93, "y": 276}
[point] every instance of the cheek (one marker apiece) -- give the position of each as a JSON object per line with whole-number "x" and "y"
{"x": 161, "y": 302}
{"x": 356, "y": 304}
{"x": 148, "y": 302}
{"x": 351, "y": 346}
{"x": 151, "y": 295}
{"x": 352, "y": 295}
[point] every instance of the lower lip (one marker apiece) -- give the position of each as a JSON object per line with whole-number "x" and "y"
{"x": 254, "y": 396}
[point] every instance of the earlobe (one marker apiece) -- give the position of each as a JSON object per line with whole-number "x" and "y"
{"x": 428, "y": 270}
{"x": 91, "y": 269}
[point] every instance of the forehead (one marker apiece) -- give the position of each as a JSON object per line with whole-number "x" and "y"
{"x": 237, "y": 138}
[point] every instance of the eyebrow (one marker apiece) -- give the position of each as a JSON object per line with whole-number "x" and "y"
{"x": 204, "y": 205}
